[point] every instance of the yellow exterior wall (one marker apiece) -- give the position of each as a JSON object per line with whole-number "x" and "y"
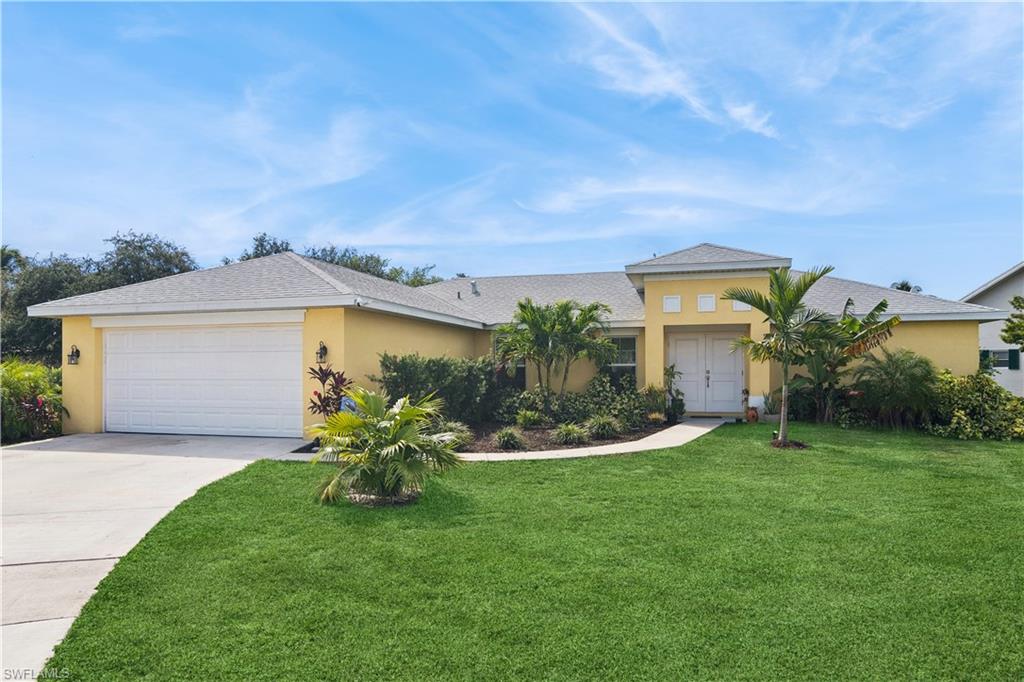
{"x": 82, "y": 383}
{"x": 951, "y": 345}
{"x": 327, "y": 325}
{"x": 656, "y": 321}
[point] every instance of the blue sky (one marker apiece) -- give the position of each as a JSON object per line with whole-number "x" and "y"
{"x": 884, "y": 139}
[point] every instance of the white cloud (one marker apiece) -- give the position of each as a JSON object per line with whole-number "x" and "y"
{"x": 751, "y": 119}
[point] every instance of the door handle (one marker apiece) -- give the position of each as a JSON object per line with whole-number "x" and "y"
{"x": 707, "y": 381}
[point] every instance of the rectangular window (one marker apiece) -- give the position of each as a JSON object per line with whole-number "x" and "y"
{"x": 1001, "y": 358}
{"x": 740, "y": 306}
{"x": 624, "y": 363}
{"x": 671, "y": 304}
{"x": 516, "y": 378}
{"x": 706, "y": 303}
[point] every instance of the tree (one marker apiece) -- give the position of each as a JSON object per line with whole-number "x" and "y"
{"x": 905, "y": 285}
{"x": 794, "y": 327}
{"x": 580, "y": 333}
{"x": 264, "y": 245}
{"x": 374, "y": 264}
{"x": 530, "y": 337}
{"x": 138, "y": 258}
{"x": 898, "y": 386}
{"x": 828, "y": 359}
{"x": 1013, "y": 330}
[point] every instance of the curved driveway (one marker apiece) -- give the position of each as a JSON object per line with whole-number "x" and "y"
{"x": 73, "y": 506}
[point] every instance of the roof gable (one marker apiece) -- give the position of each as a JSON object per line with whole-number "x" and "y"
{"x": 996, "y": 281}
{"x": 707, "y": 257}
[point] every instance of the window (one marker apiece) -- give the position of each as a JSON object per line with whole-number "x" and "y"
{"x": 671, "y": 304}
{"x": 1008, "y": 359}
{"x": 706, "y": 303}
{"x": 516, "y": 379}
{"x": 740, "y": 306}
{"x": 624, "y": 363}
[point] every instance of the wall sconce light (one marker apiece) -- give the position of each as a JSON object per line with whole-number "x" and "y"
{"x": 74, "y": 355}
{"x": 321, "y": 354}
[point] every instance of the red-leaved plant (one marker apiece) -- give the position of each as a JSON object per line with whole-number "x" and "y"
{"x": 327, "y": 400}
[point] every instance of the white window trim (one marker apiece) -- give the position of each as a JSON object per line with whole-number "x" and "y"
{"x": 741, "y": 307}
{"x": 636, "y": 344}
{"x": 702, "y": 301}
{"x": 670, "y": 302}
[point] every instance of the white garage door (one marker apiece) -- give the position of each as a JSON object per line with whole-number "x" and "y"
{"x": 232, "y": 380}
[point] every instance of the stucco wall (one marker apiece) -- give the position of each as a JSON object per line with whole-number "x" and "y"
{"x": 950, "y": 345}
{"x": 82, "y": 383}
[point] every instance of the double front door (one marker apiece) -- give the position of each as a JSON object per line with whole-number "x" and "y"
{"x": 711, "y": 376}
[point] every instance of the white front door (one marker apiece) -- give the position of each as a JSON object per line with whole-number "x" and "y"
{"x": 225, "y": 380}
{"x": 711, "y": 373}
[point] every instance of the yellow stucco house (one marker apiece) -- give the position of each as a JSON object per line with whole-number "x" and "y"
{"x": 225, "y": 350}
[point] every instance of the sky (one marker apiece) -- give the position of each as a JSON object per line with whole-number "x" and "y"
{"x": 883, "y": 139}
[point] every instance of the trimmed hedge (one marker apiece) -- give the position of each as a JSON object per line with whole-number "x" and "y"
{"x": 625, "y": 404}
{"x": 469, "y": 387}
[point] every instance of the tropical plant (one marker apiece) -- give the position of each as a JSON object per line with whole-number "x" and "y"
{"x": 530, "y": 419}
{"x": 1013, "y": 330}
{"x": 329, "y": 398}
{"x": 382, "y": 450}
{"x": 570, "y": 434}
{"x": 898, "y": 387}
{"x": 555, "y": 336}
{"x": 30, "y": 400}
{"x": 793, "y": 326}
{"x": 509, "y": 438}
{"x": 462, "y": 435}
{"x": 974, "y": 407}
{"x": 603, "y": 427}
{"x": 654, "y": 398}
{"x": 770, "y": 403}
{"x": 676, "y": 405}
{"x": 827, "y": 360}
{"x": 905, "y": 285}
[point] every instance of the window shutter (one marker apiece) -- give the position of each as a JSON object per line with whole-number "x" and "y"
{"x": 1014, "y": 359}
{"x": 983, "y": 358}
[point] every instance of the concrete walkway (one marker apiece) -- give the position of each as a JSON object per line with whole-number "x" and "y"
{"x": 668, "y": 438}
{"x": 73, "y": 506}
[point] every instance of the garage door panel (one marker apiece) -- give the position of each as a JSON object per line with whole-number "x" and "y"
{"x": 204, "y": 380}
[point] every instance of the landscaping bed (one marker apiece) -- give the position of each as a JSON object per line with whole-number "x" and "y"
{"x": 541, "y": 439}
{"x": 872, "y": 555}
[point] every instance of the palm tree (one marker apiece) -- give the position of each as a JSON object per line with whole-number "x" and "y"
{"x": 899, "y": 386}
{"x": 905, "y": 285}
{"x": 579, "y": 334}
{"x": 530, "y": 337}
{"x": 794, "y": 327}
{"x": 386, "y": 452}
{"x": 827, "y": 361}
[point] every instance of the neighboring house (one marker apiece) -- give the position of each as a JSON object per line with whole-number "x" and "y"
{"x": 997, "y": 294}
{"x": 225, "y": 350}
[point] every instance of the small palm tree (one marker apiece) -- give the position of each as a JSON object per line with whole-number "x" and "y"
{"x": 531, "y": 337}
{"x": 794, "y": 327}
{"x": 579, "y": 333}
{"x": 384, "y": 451}
{"x": 898, "y": 385}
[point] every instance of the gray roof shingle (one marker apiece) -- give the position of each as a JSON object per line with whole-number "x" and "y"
{"x": 496, "y": 301}
{"x": 707, "y": 253}
{"x": 830, "y": 294}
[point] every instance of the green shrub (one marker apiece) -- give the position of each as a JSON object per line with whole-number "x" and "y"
{"x": 32, "y": 405}
{"x": 570, "y": 434}
{"x": 975, "y": 407}
{"x": 509, "y": 438}
{"x": 898, "y": 387}
{"x": 470, "y": 387}
{"x": 599, "y": 398}
{"x": 530, "y": 419}
{"x": 655, "y": 398}
{"x": 461, "y": 434}
{"x": 603, "y": 426}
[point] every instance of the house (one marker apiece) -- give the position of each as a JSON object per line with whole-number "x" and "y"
{"x": 225, "y": 350}
{"x": 997, "y": 294}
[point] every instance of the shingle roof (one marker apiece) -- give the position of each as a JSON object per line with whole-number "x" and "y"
{"x": 707, "y": 253}
{"x": 830, "y": 294}
{"x": 496, "y": 301}
{"x": 281, "y": 280}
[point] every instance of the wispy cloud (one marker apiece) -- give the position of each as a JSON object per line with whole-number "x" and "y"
{"x": 751, "y": 119}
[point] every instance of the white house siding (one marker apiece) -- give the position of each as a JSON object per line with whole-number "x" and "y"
{"x": 999, "y": 297}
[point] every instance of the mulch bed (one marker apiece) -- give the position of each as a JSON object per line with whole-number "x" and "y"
{"x": 540, "y": 439}
{"x": 791, "y": 445}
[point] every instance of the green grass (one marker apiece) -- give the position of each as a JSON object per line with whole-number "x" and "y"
{"x": 872, "y": 555}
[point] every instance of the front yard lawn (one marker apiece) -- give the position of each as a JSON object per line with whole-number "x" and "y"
{"x": 871, "y": 555}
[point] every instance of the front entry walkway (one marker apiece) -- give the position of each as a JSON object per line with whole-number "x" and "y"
{"x": 668, "y": 438}
{"x": 73, "y": 506}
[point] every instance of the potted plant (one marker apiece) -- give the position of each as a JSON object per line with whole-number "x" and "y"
{"x": 676, "y": 406}
{"x": 770, "y": 408}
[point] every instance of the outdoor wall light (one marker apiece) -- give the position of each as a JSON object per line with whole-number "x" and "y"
{"x": 321, "y": 354}
{"x": 74, "y": 355}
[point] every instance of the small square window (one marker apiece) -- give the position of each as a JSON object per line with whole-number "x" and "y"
{"x": 740, "y": 306}
{"x": 1001, "y": 358}
{"x": 671, "y": 304}
{"x": 706, "y": 303}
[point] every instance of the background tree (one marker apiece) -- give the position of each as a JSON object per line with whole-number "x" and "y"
{"x": 136, "y": 258}
{"x": 1013, "y": 330}
{"x": 794, "y": 329}
{"x": 905, "y": 285}
{"x": 264, "y": 245}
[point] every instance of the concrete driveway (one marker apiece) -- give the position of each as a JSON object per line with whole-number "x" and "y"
{"x": 73, "y": 506}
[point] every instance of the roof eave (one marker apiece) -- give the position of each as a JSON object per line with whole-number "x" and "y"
{"x": 998, "y": 279}
{"x": 761, "y": 264}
